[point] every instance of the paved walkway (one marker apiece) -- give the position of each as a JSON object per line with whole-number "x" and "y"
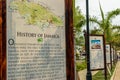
{"x": 82, "y": 74}
{"x": 116, "y": 74}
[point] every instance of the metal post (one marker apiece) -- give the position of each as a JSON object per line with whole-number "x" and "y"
{"x": 88, "y": 75}
{"x": 110, "y": 56}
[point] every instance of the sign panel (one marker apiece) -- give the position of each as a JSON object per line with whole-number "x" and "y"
{"x": 115, "y": 55}
{"x": 112, "y": 52}
{"x": 36, "y": 47}
{"x": 108, "y": 53}
{"x": 96, "y": 52}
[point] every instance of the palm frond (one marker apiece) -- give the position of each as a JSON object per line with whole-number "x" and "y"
{"x": 96, "y": 31}
{"x": 95, "y": 20}
{"x": 117, "y": 35}
{"x": 102, "y": 13}
{"x": 116, "y": 39}
{"x": 81, "y": 23}
{"x": 113, "y": 14}
{"x": 116, "y": 27}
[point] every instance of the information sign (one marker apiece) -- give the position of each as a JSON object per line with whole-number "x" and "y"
{"x": 34, "y": 40}
{"x": 96, "y": 52}
{"x": 108, "y": 53}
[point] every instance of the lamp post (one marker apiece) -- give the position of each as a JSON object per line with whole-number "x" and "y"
{"x": 88, "y": 75}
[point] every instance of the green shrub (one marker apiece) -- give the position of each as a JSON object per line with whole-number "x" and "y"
{"x": 80, "y": 66}
{"x": 77, "y": 56}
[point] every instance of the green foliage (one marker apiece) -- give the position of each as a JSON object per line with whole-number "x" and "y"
{"x": 81, "y": 66}
{"x": 77, "y": 56}
{"x": 116, "y": 40}
{"x": 78, "y": 22}
{"x": 105, "y": 25}
{"x": 100, "y": 75}
{"x": 78, "y": 19}
{"x": 79, "y": 40}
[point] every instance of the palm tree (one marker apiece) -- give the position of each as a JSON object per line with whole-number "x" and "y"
{"x": 105, "y": 25}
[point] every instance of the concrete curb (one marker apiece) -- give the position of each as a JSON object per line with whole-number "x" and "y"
{"x": 112, "y": 78}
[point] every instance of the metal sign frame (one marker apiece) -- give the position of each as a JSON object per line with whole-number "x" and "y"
{"x": 104, "y": 53}
{"x": 108, "y": 49}
{"x": 109, "y": 64}
{"x": 103, "y": 49}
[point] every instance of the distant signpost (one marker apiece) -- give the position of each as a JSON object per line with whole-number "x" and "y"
{"x": 97, "y": 53}
{"x": 108, "y": 54}
{"x": 112, "y": 52}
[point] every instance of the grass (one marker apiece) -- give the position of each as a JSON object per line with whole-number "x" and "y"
{"x": 81, "y": 66}
{"x": 100, "y": 75}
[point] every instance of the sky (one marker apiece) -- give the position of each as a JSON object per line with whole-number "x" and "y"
{"x": 107, "y": 5}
